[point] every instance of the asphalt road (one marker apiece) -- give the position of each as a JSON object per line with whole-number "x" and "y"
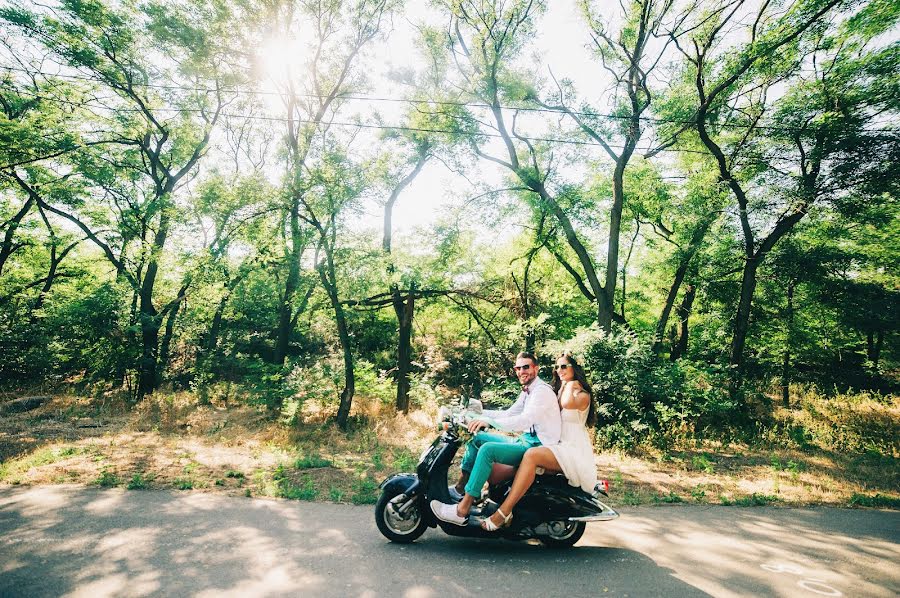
{"x": 72, "y": 541}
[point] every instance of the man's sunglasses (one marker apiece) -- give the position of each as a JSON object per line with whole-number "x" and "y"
{"x": 563, "y": 366}
{"x": 522, "y": 367}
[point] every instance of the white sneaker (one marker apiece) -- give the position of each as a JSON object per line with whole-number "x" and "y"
{"x": 447, "y": 513}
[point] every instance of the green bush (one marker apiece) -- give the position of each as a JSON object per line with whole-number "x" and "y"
{"x": 641, "y": 397}
{"x": 875, "y": 501}
{"x": 312, "y": 462}
{"x": 80, "y": 328}
{"x": 107, "y": 479}
{"x": 138, "y": 482}
{"x": 371, "y": 384}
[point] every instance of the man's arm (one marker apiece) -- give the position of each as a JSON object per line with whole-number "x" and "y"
{"x": 515, "y": 409}
{"x": 541, "y": 405}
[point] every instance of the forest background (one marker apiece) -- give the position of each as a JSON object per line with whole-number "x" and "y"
{"x": 330, "y": 212}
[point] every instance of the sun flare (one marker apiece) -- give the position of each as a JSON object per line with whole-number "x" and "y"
{"x": 278, "y": 58}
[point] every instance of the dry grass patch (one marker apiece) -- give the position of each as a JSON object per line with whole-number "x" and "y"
{"x": 169, "y": 441}
{"x": 751, "y": 475}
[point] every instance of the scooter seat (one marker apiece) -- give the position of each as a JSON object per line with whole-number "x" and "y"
{"x": 555, "y": 479}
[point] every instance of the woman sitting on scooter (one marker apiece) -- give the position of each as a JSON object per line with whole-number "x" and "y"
{"x": 573, "y": 456}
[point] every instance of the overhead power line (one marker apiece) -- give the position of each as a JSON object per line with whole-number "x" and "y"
{"x": 367, "y": 98}
{"x": 284, "y": 119}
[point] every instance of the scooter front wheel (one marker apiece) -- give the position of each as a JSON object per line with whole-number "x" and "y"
{"x": 563, "y": 534}
{"x": 399, "y": 520}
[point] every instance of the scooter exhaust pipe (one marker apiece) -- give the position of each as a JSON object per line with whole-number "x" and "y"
{"x": 607, "y": 514}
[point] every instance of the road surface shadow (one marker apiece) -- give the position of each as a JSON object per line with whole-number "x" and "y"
{"x": 70, "y": 541}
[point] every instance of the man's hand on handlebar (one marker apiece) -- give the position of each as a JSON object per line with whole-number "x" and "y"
{"x": 478, "y": 425}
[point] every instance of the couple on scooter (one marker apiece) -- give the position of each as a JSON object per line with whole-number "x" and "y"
{"x": 555, "y": 439}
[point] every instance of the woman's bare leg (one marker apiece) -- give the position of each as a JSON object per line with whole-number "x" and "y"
{"x": 539, "y": 456}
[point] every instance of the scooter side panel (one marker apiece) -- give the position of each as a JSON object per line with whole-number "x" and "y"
{"x": 550, "y": 500}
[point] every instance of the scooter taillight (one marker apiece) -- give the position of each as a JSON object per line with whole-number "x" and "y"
{"x": 604, "y": 485}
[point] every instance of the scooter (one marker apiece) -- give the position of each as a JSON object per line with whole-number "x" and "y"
{"x": 551, "y": 510}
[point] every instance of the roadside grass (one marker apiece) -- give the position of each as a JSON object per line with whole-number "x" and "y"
{"x": 175, "y": 442}
{"x": 876, "y": 501}
{"x": 16, "y": 471}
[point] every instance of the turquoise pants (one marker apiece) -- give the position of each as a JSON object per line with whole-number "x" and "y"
{"x": 486, "y": 449}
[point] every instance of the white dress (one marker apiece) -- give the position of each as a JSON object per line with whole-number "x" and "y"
{"x": 575, "y": 452}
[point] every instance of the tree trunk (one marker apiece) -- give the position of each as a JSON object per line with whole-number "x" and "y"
{"x": 404, "y": 311}
{"x": 329, "y": 281}
{"x": 786, "y": 361}
{"x": 605, "y": 309}
{"x": 149, "y": 351}
{"x": 7, "y": 247}
{"x": 596, "y": 292}
{"x": 679, "y": 348}
{"x": 286, "y": 310}
{"x": 696, "y": 239}
{"x": 167, "y": 337}
{"x": 667, "y": 307}
{"x": 212, "y": 340}
{"x": 742, "y": 321}
{"x": 149, "y": 317}
{"x": 55, "y": 261}
{"x": 874, "y": 342}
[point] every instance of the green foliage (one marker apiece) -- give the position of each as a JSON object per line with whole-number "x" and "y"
{"x": 405, "y": 460}
{"x": 371, "y": 384}
{"x": 670, "y": 498}
{"x": 640, "y": 397}
{"x": 857, "y": 422}
{"x": 80, "y": 328}
{"x": 754, "y": 500}
{"x": 306, "y": 490}
{"x": 365, "y": 492}
{"x": 213, "y": 264}
{"x": 312, "y": 462}
{"x": 702, "y": 463}
{"x": 11, "y": 471}
{"x": 138, "y": 482}
{"x": 107, "y": 479}
{"x": 875, "y": 501}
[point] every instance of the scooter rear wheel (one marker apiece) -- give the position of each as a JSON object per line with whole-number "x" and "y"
{"x": 563, "y": 534}
{"x": 402, "y": 529}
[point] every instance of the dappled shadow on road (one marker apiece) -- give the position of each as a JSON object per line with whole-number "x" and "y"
{"x": 139, "y": 543}
{"x": 464, "y": 567}
{"x": 84, "y": 542}
{"x": 730, "y": 551}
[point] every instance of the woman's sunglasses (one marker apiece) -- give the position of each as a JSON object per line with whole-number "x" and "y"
{"x": 562, "y": 366}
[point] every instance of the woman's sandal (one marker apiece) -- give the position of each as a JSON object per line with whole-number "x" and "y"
{"x": 488, "y": 524}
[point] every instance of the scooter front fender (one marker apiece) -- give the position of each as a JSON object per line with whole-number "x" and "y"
{"x": 400, "y": 483}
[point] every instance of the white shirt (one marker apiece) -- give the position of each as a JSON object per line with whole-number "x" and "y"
{"x": 536, "y": 409}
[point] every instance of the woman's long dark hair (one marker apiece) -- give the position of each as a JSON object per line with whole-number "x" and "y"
{"x": 582, "y": 379}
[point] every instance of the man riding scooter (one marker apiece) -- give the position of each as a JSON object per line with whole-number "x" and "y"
{"x": 535, "y": 413}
